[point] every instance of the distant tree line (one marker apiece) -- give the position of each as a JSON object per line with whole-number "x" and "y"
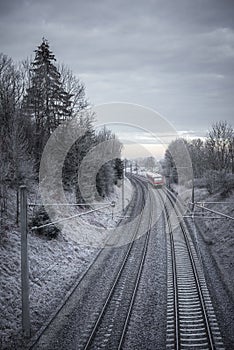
{"x": 148, "y": 163}
{"x": 212, "y": 158}
{"x": 35, "y": 98}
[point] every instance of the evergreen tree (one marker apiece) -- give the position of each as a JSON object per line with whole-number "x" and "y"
{"x": 77, "y": 152}
{"x": 46, "y": 102}
{"x": 118, "y": 166}
{"x": 106, "y": 176}
{"x": 169, "y": 166}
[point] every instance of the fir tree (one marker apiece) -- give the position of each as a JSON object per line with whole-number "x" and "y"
{"x": 118, "y": 167}
{"x": 47, "y": 103}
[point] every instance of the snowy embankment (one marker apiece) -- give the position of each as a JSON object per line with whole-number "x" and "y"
{"x": 218, "y": 233}
{"x": 54, "y": 267}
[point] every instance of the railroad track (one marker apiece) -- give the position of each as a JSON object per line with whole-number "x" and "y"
{"x": 111, "y": 325}
{"x": 191, "y": 320}
{"x": 106, "y": 325}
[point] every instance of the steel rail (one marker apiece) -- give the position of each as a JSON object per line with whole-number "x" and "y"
{"x": 174, "y": 270}
{"x": 117, "y": 278}
{"x": 196, "y": 277}
{"x": 137, "y": 283}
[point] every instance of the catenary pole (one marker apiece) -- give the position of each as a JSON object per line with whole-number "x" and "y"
{"x": 24, "y": 262}
{"x": 123, "y": 194}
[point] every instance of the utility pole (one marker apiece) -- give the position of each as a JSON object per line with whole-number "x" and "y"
{"x": 125, "y": 166}
{"x": 193, "y": 194}
{"x": 123, "y": 194}
{"x": 24, "y": 262}
{"x": 136, "y": 168}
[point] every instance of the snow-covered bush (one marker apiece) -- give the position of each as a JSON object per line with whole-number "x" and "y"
{"x": 228, "y": 185}
{"x": 218, "y": 181}
{"x": 213, "y": 180}
{"x": 200, "y": 182}
{"x": 41, "y": 218}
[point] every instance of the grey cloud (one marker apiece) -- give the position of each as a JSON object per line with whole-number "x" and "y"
{"x": 175, "y": 56}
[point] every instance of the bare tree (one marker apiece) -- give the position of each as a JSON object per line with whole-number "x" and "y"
{"x": 219, "y": 147}
{"x": 150, "y": 163}
{"x": 11, "y": 90}
{"x": 74, "y": 87}
{"x": 197, "y": 153}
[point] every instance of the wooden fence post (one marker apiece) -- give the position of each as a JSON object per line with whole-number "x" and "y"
{"x": 24, "y": 262}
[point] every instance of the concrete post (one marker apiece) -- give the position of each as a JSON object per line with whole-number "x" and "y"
{"x": 24, "y": 262}
{"x": 123, "y": 194}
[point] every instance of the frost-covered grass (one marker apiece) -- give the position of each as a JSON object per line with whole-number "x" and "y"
{"x": 219, "y": 234}
{"x": 54, "y": 266}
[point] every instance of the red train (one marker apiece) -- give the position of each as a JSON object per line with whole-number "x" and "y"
{"x": 157, "y": 180}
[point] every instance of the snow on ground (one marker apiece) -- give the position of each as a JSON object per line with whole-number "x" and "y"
{"x": 54, "y": 266}
{"x": 92, "y": 228}
{"x": 110, "y": 216}
{"x": 218, "y": 233}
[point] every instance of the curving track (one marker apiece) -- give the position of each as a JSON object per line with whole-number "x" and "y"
{"x": 112, "y": 322}
{"x": 107, "y": 290}
{"x": 191, "y": 321}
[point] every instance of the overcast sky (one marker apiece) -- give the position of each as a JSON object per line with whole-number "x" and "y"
{"x": 175, "y": 56}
